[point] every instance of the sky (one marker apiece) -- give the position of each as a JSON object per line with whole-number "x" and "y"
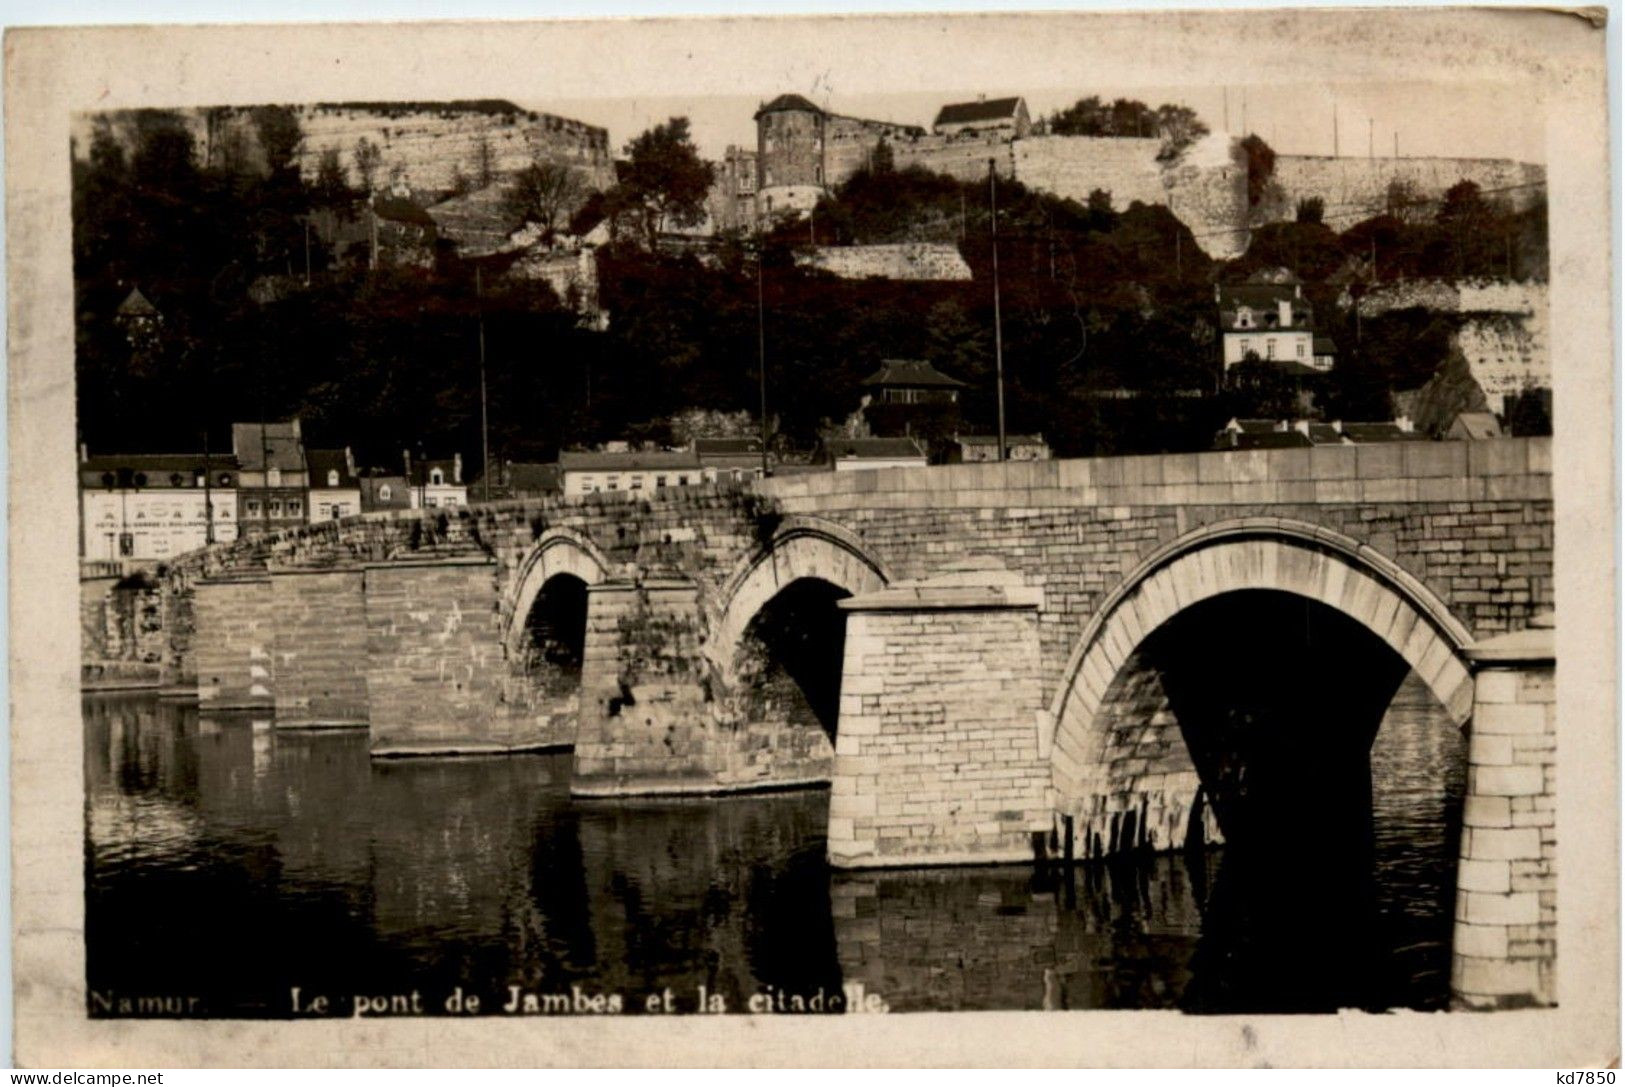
{"x": 1452, "y": 121}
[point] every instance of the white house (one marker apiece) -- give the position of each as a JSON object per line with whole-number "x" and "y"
{"x": 438, "y": 484}
{"x": 1275, "y": 323}
{"x": 589, "y": 473}
{"x": 144, "y": 506}
{"x": 335, "y": 491}
{"x": 849, "y": 454}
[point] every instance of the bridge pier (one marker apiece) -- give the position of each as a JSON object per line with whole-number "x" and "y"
{"x": 1505, "y": 946}
{"x": 437, "y": 672}
{"x": 320, "y": 620}
{"x": 651, "y": 720}
{"x": 936, "y": 751}
{"x": 235, "y": 629}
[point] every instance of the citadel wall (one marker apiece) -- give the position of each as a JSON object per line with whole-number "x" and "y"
{"x": 428, "y": 146}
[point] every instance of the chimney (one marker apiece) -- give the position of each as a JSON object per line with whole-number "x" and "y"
{"x": 456, "y": 467}
{"x": 1284, "y": 312}
{"x": 981, "y": 97}
{"x": 1403, "y": 423}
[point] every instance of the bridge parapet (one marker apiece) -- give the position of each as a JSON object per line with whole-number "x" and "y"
{"x": 1512, "y": 469}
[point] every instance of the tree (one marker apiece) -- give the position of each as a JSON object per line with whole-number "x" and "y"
{"x": 278, "y": 130}
{"x": 1529, "y": 413}
{"x": 485, "y": 163}
{"x": 1311, "y": 210}
{"x": 547, "y": 193}
{"x": 884, "y": 161}
{"x": 1402, "y": 201}
{"x": 367, "y": 160}
{"x": 665, "y": 181}
{"x": 1179, "y": 127}
{"x": 1260, "y": 168}
{"x": 330, "y": 188}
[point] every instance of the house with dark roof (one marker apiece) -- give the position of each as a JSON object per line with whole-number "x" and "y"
{"x": 382, "y": 491}
{"x": 147, "y": 506}
{"x": 518, "y": 479}
{"x": 437, "y": 483}
{"x": 912, "y": 381}
{"x": 731, "y": 459}
{"x": 848, "y": 454}
{"x": 275, "y": 478}
{"x": 1271, "y": 322}
{"x": 1304, "y": 433}
{"x": 591, "y": 473}
{"x": 1473, "y": 426}
{"x": 335, "y": 491}
{"x": 1005, "y": 116}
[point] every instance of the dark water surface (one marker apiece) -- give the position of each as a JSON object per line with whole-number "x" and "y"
{"x": 228, "y": 863}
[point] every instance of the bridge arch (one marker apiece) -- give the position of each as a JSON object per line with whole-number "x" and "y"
{"x": 803, "y": 547}
{"x": 557, "y": 551}
{"x": 1262, "y": 553}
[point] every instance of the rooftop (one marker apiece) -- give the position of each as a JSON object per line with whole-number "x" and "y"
{"x": 786, "y": 102}
{"x": 322, "y": 461}
{"x": 628, "y": 462}
{"x": 912, "y": 372}
{"x": 988, "y": 109}
{"x": 723, "y": 447}
{"x": 993, "y": 439}
{"x": 872, "y": 448}
{"x": 277, "y": 445}
{"x": 135, "y": 304}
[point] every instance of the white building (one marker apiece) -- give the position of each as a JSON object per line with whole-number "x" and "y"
{"x": 335, "y": 492}
{"x": 150, "y": 506}
{"x": 1272, "y": 322}
{"x": 849, "y": 454}
{"x": 438, "y": 484}
{"x": 589, "y": 473}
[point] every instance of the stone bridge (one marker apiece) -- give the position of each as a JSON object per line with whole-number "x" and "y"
{"x": 983, "y": 662}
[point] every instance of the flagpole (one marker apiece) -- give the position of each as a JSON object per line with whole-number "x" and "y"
{"x": 761, "y": 350}
{"x": 485, "y": 434}
{"x": 998, "y": 331}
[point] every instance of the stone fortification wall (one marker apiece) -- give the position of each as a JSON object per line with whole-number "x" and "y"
{"x": 907, "y": 260}
{"x": 964, "y": 157}
{"x": 1357, "y": 188}
{"x": 423, "y": 146}
{"x": 430, "y": 147}
{"x": 1075, "y": 166}
{"x": 1503, "y": 334}
{"x": 849, "y": 143}
{"x": 1456, "y": 296}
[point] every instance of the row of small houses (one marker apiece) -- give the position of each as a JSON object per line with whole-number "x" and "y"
{"x": 136, "y": 507}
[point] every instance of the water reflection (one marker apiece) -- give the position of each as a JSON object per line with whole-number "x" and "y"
{"x": 232, "y": 862}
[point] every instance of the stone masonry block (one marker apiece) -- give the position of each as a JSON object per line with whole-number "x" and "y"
{"x": 1494, "y": 877}
{"x": 1515, "y": 718}
{"x": 1519, "y": 908}
{"x": 1495, "y": 977}
{"x": 1496, "y": 685}
{"x": 1495, "y": 843}
{"x": 1487, "y": 811}
{"x": 1481, "y": 941}
{"x": 1506, "y": 780}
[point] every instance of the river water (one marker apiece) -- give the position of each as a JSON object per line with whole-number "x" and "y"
{"x": 228, "y": 863}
